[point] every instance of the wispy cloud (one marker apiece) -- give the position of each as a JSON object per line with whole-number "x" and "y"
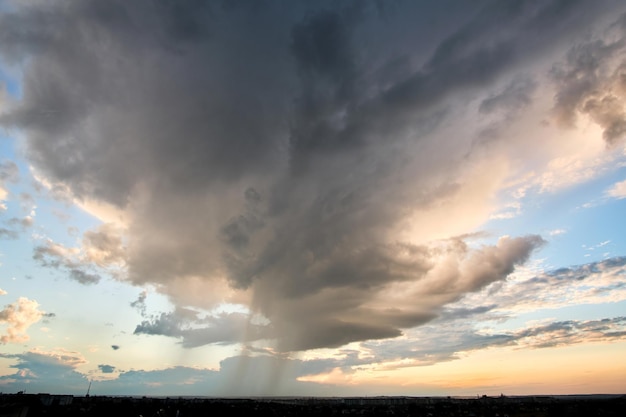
{"x": 9, "y": 173}
{"x": 557, "y": 232}
{"x": 442, "y": 342}
{"x": 101, "y": 251}
{"x": 618, "y": 190}
{"x": 593, "y": 283}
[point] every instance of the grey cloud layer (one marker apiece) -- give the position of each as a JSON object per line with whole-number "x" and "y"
{"x": 276, "y": 146}
{"x": 443, "y": 342}
{"x": 240, "y": 375}
{"x": 266, "y": 375}
{"x": 223, "y": 329}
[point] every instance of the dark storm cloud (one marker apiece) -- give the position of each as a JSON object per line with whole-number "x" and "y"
{"x": 590, "y": 81}
{"x": 335, "y": 316}
{"x": 134, "y": 63}
{"x": 334, "y": 311}
{"x": 514, "y": 97}
{"x": 355, "y": 110}
{"x": 277, "y": 146}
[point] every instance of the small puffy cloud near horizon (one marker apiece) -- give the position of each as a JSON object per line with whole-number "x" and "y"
{"x": 310, "y": 198}
{"x": 17, "y": 317}
{"x": 618, "y": 190}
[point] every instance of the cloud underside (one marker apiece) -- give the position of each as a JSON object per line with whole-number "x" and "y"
{"x": 279, "y": 156}
{"x": 403, "y": 290}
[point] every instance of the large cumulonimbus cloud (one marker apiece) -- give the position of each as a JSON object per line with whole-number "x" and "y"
{"x": 291, "y": 156}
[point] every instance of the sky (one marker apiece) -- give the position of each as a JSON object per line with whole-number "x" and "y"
{"x": 313, "y": 198}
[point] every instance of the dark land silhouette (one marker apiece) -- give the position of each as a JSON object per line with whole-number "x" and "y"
{"x": 32, "y": 405}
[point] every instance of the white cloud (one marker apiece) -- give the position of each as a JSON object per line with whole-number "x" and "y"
{"x": 557, "y": 232}
{"x": 18, "y": 317}
{"x": 618, "y": 190}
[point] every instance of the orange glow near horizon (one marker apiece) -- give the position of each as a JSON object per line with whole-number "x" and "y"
{"x": 593, "y": 368}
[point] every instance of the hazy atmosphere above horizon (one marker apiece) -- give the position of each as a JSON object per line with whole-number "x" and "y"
{"x": 319, "y": 198}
